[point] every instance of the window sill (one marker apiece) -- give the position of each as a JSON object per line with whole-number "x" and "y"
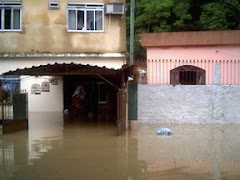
{"x": 77, "y": 31}
{"x": 10, "y": 30}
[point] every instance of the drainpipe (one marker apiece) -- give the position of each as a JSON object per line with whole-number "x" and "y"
{"x": 132, "y": 10}
{"x": 132, "y": 86}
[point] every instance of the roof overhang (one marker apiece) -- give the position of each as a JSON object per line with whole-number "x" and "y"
{"x": 194, "y": 38}
{"x": 65, "y": 69}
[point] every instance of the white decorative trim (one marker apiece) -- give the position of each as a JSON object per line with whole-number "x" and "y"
{"x": 80, "y": 55}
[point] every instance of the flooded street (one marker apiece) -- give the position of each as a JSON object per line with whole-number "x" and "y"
{"x": 56, "y": 149}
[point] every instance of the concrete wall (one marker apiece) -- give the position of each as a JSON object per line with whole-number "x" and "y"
{"x": 46, "y": 101}
{"x": 188, "y": 104}
{"x": 194, "y": 38}
{"x": 45, "y": 30}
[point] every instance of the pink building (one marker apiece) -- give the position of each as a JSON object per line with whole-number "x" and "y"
{"x": 189, "y": 58}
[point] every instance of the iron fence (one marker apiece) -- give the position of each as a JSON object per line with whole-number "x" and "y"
{"x": 159, "y": 71}
{"x": 6, "y": 111}
{"x": 15, "y": 110}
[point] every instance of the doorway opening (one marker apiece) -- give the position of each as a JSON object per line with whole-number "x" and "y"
{"x": 188, "y": 77}
{"x": 90, "y": 99}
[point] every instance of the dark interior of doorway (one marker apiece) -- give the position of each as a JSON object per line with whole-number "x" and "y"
{"x": 96, "y": 100}
{"x": 188, "y": 77}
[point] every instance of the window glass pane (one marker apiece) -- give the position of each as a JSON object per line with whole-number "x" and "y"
{"x": 0, "y": 18}
{"x": 16, "y": 19}
{"x": 72, "y": 20}
{"x": 90, "y": 20}
{"x": 98, "y": 20}
{"x": 80, "y": 20}
{"x": 7, "y": 24}
{"x": 85, "y": 19}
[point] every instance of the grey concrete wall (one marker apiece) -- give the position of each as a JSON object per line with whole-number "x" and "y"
{"x": 188, "y": 104}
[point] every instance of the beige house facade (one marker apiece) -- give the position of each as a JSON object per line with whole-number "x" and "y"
{"x": 49, "y": 47}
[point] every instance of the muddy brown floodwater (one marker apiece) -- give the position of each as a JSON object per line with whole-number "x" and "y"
{"x": 56, "y": 149}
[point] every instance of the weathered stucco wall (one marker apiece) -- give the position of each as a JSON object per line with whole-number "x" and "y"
{"x": 188, "y": 104}
{"x": 45, "y": 30}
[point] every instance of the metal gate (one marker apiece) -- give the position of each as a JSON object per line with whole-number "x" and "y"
{"x": 20, "y": 106}
{"x": 121, "y": 112}
{"x": 14, "y": 115}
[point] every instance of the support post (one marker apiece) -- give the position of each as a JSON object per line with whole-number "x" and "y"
{"x": 133, "y": 104}
{"x": 132, "y": 16}
{"x": 132, "y": 86}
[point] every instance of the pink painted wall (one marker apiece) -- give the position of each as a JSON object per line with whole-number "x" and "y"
{"x": 163, "y": 59}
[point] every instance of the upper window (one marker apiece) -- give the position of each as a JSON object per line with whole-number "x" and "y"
{"x": 10, "y": 16}
{"x": 85, "y": 17}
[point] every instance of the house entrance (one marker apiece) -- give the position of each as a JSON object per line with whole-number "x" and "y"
{"x": 90, "y": 93}
{"x": 89, "y": 98}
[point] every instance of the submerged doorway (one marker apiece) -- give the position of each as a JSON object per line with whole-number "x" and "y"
{"x": 89, "y": 98}
{"x": 104, "y": 88}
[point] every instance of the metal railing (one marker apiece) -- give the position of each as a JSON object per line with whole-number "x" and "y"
{"x": 6, "y": 111}
{"x": 158, "y": 70}
{"x": 15, "y": 110}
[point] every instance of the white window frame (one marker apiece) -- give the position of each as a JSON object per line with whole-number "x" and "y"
{"x": 85, "y": 7}
{"x": 10, "y": 5}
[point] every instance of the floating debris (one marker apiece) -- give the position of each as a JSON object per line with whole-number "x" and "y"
{"x": 164, "y": 131}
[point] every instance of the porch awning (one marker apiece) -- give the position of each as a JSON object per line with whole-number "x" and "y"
{"x": 65, "y": 69}
{"x": 111, "y": 76}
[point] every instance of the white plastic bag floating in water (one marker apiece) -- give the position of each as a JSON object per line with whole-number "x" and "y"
{"x": 164, "y": 131}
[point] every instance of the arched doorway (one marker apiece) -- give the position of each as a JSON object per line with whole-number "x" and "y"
{"x": 187, "y": 75}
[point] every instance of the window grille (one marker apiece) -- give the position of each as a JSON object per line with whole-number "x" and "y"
{"x": 187, "y": 75}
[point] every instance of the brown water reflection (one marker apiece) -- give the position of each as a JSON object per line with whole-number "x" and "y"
{"x": 54, "y": 149}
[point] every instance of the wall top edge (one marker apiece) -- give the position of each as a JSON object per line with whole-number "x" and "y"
{"x": 191, "y": 38}
{"x": 192, "y": 60}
